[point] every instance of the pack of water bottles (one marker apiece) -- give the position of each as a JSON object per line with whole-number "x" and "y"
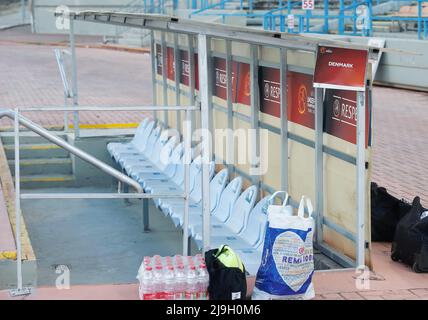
{"x": 173, "y": 278}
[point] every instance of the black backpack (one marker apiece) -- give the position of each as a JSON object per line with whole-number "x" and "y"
{"x": 386, "y": 212}
{"x": 226, "y": 283}
{"x": 410, "y": 243}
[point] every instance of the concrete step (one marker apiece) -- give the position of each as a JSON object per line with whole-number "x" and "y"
{"x": 36, "y": 151}
{"x": 43, "y": 166}
{"x": 47, "y": 181}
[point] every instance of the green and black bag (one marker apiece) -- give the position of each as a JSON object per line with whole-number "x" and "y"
{"x": 227, "y": 275}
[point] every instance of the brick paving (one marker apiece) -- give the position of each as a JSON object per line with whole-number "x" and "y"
{"x": 29, "y": 77}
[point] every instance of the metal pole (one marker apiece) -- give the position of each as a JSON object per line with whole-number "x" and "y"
{"x": 319, "y": 164}
{"x": 230, "y": 150}
{"x": 325, "y": 16}
{"x": 361, "y": 177}
{"x": 177, "y": 73}
{"x": 255, "y": 108}
{"x": 74, "y": 79}
{"x": 419, "y": 19}
{"x": 203, "y": 49}
{"x": 18, "y": 203}
{"x": 146, "y": 225}
{"x": 19, "y": 290}
{"x": 154, "y": 71}
{"x": 164, "y": 78}
{"x": 65, "y": 113}
{"x": 341, "y": 17}
{"x": 192, "y": 84}
{"x": 187, "y": 132}
{"x": 284, "y": 120}
{"x": 354, "y": 16}
{"x": 370, "y": 17}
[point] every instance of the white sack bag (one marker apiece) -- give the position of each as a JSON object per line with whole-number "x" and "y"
{"x": 287, "y": 263}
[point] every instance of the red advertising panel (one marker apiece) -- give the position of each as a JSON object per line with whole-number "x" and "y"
{"x": 220, "y": 79}
{"x": 159, "y": 61}
{"x": 185, "y": 68}
{"x": 301, "y": 99}
{"x": 341, "y": 115}
{"x": 300, "y": 96}
{"x": 340, "y": 68}
{"x": 243, "y": 92}
{"x": 270, "y": 91}
{"x": 170, "y": 63}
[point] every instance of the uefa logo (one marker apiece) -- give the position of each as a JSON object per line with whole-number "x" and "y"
{"x": 336, "y": 108}
{"x": 302, "y": 99}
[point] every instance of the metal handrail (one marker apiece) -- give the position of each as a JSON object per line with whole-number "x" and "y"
{"x": 72, "y": 149}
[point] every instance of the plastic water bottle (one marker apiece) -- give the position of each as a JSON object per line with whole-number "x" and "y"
{"x": 158, "y": 279}
{"x": 192, "y": 284}
{"x": 203, "y": 282}
{"x": 180, "y": 282}
{"x": 147, "y": 291}
{"x": 170, "y": 284}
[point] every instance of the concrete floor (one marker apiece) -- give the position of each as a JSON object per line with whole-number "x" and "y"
{"x": 101, "y": 241}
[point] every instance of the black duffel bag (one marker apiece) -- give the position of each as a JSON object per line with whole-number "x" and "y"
{"x": 227, "y": 282}
{"x": 410, "y": 243}
{"x": 386, "y": 212}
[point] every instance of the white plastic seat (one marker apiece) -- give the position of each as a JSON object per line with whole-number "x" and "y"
{"x": 222, "y": 211}
{"x": 250, "y": 237}
{"x": 175, "y": 185}
{"x": 124, "y": 146}
{"x": 153, "y": 137}
{"x": 175, "y": 207}
{"x": 139, "y": 145}
{"x": 156, "y": 141}
{"x": 158, "y": 161}
{"x": 194, "y": 171}
{"x": 217, "y": 185}
{"x": 178, "y": 178}
{"x": 238, "y": 216}
{"x": 168, "y": 173}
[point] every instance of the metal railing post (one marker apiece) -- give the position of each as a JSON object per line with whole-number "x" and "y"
{"x": 255, "y": 112}
{"x": 370, "y": 17}
{"x": 192, "y": 80}
{"x": 319, "y": 165}
{"x": 164, "y": 77}
{"x": 154, "y": 71}
{"x": 18, "y": 203}
{"x": 204, "y": 92}
{"x": 354, "y": 17}
{"x": 229, "y": 95}
{"x": 341, "y": 17}
{"x": 19, "y": 290}
{"x": 284, "y": 120}
{"x": 187, "y": 136}
{"x": 74, "y": 79}
{"x": 420, "y": 19}
{"x": 326, "y": 16}
{"x": 361, "y": 178}
{"x": 177, "y": 74}
{"x": 308, "y": 20}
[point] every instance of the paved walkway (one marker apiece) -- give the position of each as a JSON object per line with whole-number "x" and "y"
{"x": 393, "y": 281}
{"x": 29, "y": 77}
